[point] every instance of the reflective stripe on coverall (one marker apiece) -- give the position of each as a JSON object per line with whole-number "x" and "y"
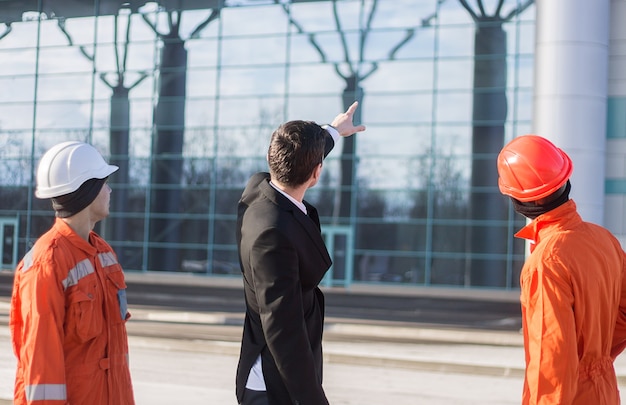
{"x": 68, "y": 315}
{"x": 573, "y": 297}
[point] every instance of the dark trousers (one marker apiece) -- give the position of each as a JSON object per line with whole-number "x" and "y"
{"x": 251, "y": 397}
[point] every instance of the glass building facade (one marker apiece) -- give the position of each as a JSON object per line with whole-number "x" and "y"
{"x": 184, "y": 95}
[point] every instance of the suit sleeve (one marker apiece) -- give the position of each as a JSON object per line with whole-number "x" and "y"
{"x": 276, "y": 281}
{"x": 331, "y": 139}
{"x": 551, "y": 352}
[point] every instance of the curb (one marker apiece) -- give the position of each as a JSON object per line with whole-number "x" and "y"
{"x": 335, "y": 329}
{"x": 341, "y": 329}
{"x": 425, "y": 365}
{"x": 336, "y": 356}
{"x": 415, "y": 334}
{"x": 191, "y": 279}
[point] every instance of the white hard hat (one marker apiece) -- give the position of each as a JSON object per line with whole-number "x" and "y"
{"x": 66, "y": 166}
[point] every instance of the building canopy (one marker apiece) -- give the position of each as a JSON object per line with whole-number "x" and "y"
{"x": 12, "y": 10}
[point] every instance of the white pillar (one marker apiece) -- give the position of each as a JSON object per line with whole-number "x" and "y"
{"x": 615, "y": 201}
{"x": 570, "y": 99}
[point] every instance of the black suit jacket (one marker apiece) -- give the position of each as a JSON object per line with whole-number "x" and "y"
{"x": 283, "y": 259}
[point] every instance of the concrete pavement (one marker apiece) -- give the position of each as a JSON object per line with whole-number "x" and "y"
{"x": 389, "y": 344}
{"x": 174, "y": 371}
{"x": 190, "y": 357}
{"x": 416, "y": 349}
{"x": 424, "y": 366}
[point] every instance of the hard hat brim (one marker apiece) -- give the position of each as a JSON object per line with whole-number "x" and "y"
{"x": 52, "y": 192}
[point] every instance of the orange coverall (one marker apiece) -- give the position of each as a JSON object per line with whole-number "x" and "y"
{"x": 573, "y": 296}
{"x": 68, "y": 323}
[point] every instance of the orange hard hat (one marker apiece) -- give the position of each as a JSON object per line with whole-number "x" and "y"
{"x": 531, "y": 167}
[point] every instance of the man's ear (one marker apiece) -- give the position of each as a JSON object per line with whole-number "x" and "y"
{"x": 315, "y": 175}
{"x": 317, "y": 172}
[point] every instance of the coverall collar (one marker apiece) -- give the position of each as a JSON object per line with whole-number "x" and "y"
{"x": 80, "y": 243}
{"x": 563, "y": 217}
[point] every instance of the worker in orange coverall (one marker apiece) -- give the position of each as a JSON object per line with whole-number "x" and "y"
{"x": 68, "y": 308}
{"x": 573, "y": 284}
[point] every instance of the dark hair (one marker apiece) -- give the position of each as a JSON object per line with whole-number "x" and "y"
{"x": 296, "y": 148}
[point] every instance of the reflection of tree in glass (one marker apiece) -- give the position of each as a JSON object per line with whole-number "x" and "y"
{"x": 489, "y": 117}
{"x": 119, "y": 125}
{"x": 214, "y": 186}
{"x": 439, "y": 208}
{"x": 14, "y": 171}
{"x": 168, "y": 140}
{"x": 7, "y": 30}
{"x": 353, "y": 72}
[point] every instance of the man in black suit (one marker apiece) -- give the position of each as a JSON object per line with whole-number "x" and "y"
{"x": 283, "y": 259}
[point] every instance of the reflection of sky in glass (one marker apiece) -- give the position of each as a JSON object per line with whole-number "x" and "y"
{"x": 417, "y": 102}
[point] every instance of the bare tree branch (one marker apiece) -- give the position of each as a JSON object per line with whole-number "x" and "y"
{"x": 342, "y": 35}
{"x": 118, "y": 67}
{"x": 61, "y": 24}
{"x": 142, "y": 76}
{"x": 368, "y": 27}
{"x": 482, "y": 8}
{"x": 103, "y": 77}
{"x": 511, "y": 15}
{"x": 469, "y": 10}
{"x": 372, "y": 70}
{"x": 7, "y": 30}
{"x": 410, "y": 33}
{"x": 499, "y": 8}
{"x": 170, "y": 20}
{"x": 339, "y": 72}
{"x": 426, "y": 22}
{"x": 83, "y": 50}
{"x": 518, "y": 10}
{"x": 301, "y": 31}
{"x": 174, "y": 18}
{"x": 215, "y": 13}
{"x": 126, "y": 43}
{"x": 151, "y": 24}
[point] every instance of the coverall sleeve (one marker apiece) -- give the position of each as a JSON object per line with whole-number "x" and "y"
{"x": 619, "y": 335}
{"x": 279, "y": 295}
{"x": 40, "y": 347}
{"x": 551, "y": 353}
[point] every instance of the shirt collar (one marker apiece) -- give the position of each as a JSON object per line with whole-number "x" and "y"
{"x": 297, "y": 203}
{"x": 564, "y": 216}
{"x": 64, "y": 229}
